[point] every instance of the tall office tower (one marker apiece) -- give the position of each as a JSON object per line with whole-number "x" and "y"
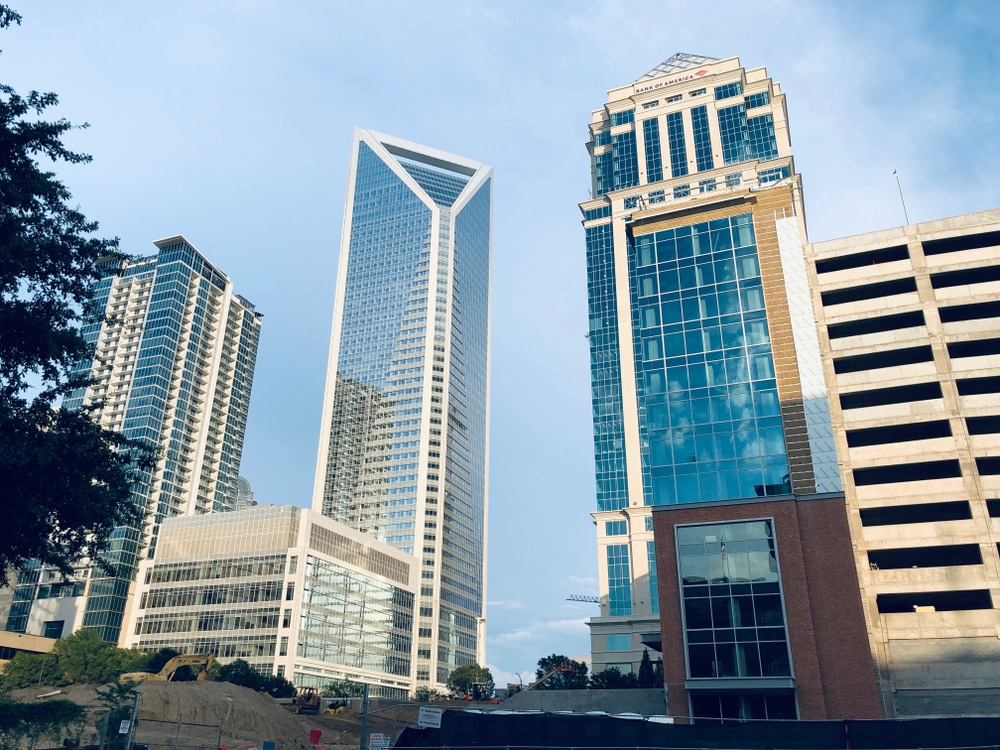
{"x": 909, "y": 321}
{"x": 175, "y": 350}
{"x": 708, "y": 389}
{"x": 403, "y": 446}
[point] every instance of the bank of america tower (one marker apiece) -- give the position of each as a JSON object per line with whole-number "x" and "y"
{"x": 403, "y": 445}
{"x": 706, "y": 374}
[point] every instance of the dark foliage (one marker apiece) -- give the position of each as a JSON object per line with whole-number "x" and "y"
{"x": 613, "y": 679}
{"x": 647, "y": 675}
{"x": 70, "y": 480}
{"x": 239, "y": 672}
{"x": 572, "y": 680}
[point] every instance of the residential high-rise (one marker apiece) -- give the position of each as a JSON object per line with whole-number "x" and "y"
{"x": 404, "y": 437}
{"x": 909, "y": 321}
{"x": 708, "y": 397}
{"x": 175, "y": 350}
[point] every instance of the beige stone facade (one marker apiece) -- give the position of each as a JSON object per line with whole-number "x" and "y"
{"x": 908, "y": 325}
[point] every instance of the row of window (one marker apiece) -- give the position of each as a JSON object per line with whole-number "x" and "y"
{"x": 901, "y": 252}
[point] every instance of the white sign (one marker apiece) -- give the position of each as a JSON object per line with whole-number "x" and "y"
{"x": 123, "y": 729}
{"x": 429, "y": 717}
{"x": 376, "y": 740}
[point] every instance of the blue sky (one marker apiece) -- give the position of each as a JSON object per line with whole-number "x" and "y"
{"x": 231, "y": 122}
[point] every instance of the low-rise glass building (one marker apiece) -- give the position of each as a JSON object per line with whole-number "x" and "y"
{"x": 290, "y": 591}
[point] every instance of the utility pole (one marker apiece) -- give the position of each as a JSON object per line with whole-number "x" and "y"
{"x": 364, "y": 715}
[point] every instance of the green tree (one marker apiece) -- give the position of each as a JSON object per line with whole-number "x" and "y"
{"x": 424, "y": 694}
{"x": 70, "y": 480}
{"x": 25, "y": 669}
{"x": 343, "y": 689}
{"x": 647, "y": 677}
{"x": 84, "y": 658}
{"x": 613, "y": 679}
{"x": 158, "y": 660}
{"x": 573, "y": 678}
{"x": 461, "y": 680}
{"x": 276, "y": 687}
{"x": 117, "y": 700}
{"x": 239, "y": 672}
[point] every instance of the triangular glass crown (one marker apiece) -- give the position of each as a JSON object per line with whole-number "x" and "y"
{"x": 443, "y": 187}
{"x": 676, "y": 63}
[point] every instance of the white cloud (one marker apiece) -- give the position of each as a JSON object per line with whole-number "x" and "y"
{"x": 506, "y": 604}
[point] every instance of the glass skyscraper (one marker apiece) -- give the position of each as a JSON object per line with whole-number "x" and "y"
{"x": 175, "y": 351}
{"x": 403, "y": 446}
{"x": 707, "y": 381}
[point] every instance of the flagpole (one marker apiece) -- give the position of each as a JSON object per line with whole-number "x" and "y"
{"x": 895, "y": 173}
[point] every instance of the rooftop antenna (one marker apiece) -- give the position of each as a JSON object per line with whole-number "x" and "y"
{"x": 895, "y": 173}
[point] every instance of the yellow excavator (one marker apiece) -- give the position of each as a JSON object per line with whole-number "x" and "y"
{"x": 203, "y": 662}
{"x": 307, "y": 700}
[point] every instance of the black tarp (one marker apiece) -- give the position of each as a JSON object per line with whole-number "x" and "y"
{"x": 460, "y": 729}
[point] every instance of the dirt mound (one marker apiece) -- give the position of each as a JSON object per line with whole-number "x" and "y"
{"x": 190, "y": 714}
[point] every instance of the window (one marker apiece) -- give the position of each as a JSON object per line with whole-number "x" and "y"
{"x": 760, "y": 131}
{"x": 965, "y": 276}
{"x": 945, "y": 555}
{"x": 988, "y": 465}
{"x": 615, "y": 528}
{"x": 876, "y": 325}
{"x": 733, "y": 612}
{"x": 678, "y": 149}
{"x": 759, "y": 99}
{"x": 976, "y": 311}
{"x": 651, "y": 139}
{"x": 734, "y": 180}
{"x": 286, "y": 619}
{"x": 706, "y": 186}
{"x": 682, "y": 191}
{"x": 868, "y": 291}
{"x": 622, "y": 117}
{"x": 632, "y": 202}
{"x": 935, "y": 601}
{"x": 920, "y": 471}
{"x": 293, "y": 564}
{"x": 702, "y": 138}
{"x": 290, "y": 591}
{"x": 728, "y": 90}
{"x": 956, "y": 244}
{"x": 899, "y": 433}
{"x": 53, "y": 629}
{"x": 657, "y": 196}
{"x": 767, "y": 176}
{"x": 624, "y": 160}
{"x": 876, "y": 360}
{"x": 602, "y": 138}
{"x": 860, "y": 260}
{"x": 983, "y": 425}
{"x": 883, "y": 396}
{"x": 654, "y": 590}
{"x": 618, "y": 642}
{"x": 733, "y": 134}
{"x": 619, "y": 582}
{"x": 649, "y": 523}
{"x": 650, "y": 105}
{"x": 698, "y": 92}
{"x": 892, "y": 515}
{"x": 601, "y": 212}
{"x": 978, "y": 386}
{"x": 283, "y": 647}
{"x": 976, "y": 348}
{"x": 675, "y": 98}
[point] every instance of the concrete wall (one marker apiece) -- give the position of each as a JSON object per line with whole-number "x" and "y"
{"x": 645, "y": 702}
